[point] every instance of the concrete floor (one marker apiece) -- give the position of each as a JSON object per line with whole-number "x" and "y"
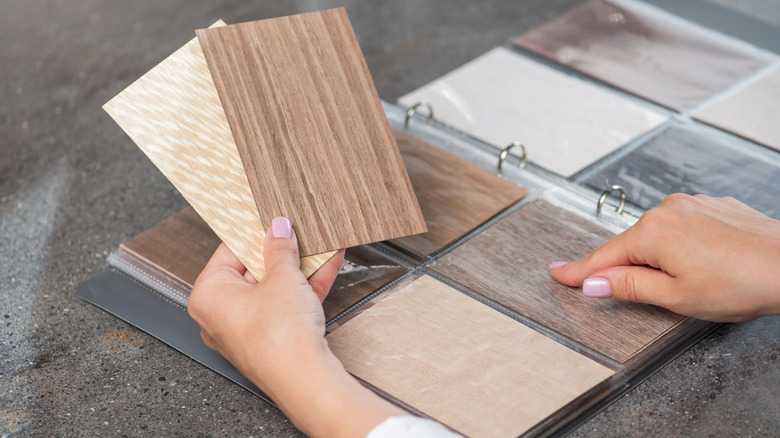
{"x": 73, "y": 187}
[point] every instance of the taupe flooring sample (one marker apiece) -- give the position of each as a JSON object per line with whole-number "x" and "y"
{"x": 461, "y": 362}
{"x": 508, "y": 263}
{"x": 751, "y": 113}
{"x": 645, "y": 51}
{"x": 693, "y": 158}
{"x": 174, "y": 115}
{"x": 455, "y": 195}
{"x": 564, "y": 122}
{"x": 311, "y": 131}
{"x": 181, "y": 245}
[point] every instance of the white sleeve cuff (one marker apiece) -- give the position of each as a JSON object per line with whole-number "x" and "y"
{"x": 410, "y": 427}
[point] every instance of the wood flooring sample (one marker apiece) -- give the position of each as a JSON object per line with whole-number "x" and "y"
{"x": 508, "y": 263}
{"x": 644, "y": 50}
{"x": 181, "y": 245}
{"x": 461, "y": 362}
{"x": 564, "y": 122}
{"x": 692, "y": 158}
{"x": 174, "y": 115}
{"x": 311, "y": 131}
{"x": 455, "y": 194}
{"x": 751, "y": 112}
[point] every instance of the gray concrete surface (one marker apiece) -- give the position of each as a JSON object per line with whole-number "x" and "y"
{"x": 73, "y": 186}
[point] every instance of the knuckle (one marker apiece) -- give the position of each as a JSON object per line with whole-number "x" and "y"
{"x": 630, "y": 288}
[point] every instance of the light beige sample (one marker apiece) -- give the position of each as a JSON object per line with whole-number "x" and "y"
{"x": 461, "y": 362}
{"x": 173, "y": 113}
{"x": 751, "y": 112}
{"x": 564, "y": 122}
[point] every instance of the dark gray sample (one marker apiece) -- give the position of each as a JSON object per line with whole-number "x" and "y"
{"x": 691, "y": 158}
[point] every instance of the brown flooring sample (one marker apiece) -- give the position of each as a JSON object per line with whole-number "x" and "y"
{"x": 311, "y": 131}
{"x": 455, "y": 195}
{"x": 461, "y": 362}
{"x": 645, "y": 51}
{"x": 751, "y": 112}
{"x": 174, "y": 115}
{"x": 508, "y": 263}
{"x": 181, "y": 245}
{"x": 693, "y": 158}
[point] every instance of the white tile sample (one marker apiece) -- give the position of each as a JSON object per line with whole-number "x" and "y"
{"x": 753, "y": 112}
{"x": 564, "y": 122}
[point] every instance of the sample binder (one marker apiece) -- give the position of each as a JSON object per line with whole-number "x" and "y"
{"x": 479, "y": 274}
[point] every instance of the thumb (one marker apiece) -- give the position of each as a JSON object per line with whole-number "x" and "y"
{"x": 631, "y": 283}
{"x": 280, "y": 249}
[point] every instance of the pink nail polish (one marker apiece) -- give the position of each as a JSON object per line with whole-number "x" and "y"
{"x": 281, "y": 227}
{"x": 556, "y": 265}
{"x": 596, "y": 288}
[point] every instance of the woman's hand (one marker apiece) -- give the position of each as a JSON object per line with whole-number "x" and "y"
{"x": 712, "y": 258}
{"x": 273, "y": 332}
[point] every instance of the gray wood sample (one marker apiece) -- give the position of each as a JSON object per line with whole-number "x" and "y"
{"x": 310, "y": 130}
{"x": 461, "y": 362}
{"x": 508, "y": 263}
{"x": 691, "y": 158}
{"x": 645, "y": 51}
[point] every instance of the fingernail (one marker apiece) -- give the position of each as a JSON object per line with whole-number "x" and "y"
{"x": 281, "y": 227}
{"x": 596, "y": 288}
{"x": 556, "y": 265}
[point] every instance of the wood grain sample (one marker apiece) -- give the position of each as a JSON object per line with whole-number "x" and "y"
{"x": 174, "y": 115}
{"x": 564, "y": 122}
{"x": 455, "y": 194}
{"x": 311, "y": 131}
{"x": 645, "y": 51}
{"x": 181, "y": 245}
{"x": 461, "y": 362}
{"x": 515, "y": 274}
{"x": 751, "y": 112}
{"x": 692, "y": 158}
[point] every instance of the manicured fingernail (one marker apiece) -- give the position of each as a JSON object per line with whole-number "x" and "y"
{"x": 596, "y": 288}
{"x": 281, "y": 227}
{"x": 556, "y": 265}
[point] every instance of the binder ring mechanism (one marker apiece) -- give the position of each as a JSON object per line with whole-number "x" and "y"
{"x": 505, "y": 153}
{"x": 605, "y": 194}
{"x": 413, "y": 109}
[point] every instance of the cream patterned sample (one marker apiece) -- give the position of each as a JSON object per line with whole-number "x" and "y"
{"x": 173, "y": 113}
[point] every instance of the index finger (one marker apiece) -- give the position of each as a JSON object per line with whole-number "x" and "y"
{"x": 625, "y": 249}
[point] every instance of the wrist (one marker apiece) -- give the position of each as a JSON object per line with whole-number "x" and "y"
{"x": 312, "y": 388}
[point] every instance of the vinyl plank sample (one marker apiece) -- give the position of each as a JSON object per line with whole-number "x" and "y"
{"x": 645, "y": 51}
{"x": 516, "y": 275}
{"x": 461, "y": 362}
{"x": 564, "y": 122}
{"x": 181, "y": 245}
{"x": 751, "y": 112}
{"x": 311, "y": 131}
{"x": 691, "y": 158}
{"x": 455, "y": 195}
{"x": 174, "y": 115}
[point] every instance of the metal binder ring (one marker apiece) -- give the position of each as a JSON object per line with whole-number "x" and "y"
{"x": 413, "y": 109}
{"x": 605, "y": 194}
{"x": 505, "y": 153}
